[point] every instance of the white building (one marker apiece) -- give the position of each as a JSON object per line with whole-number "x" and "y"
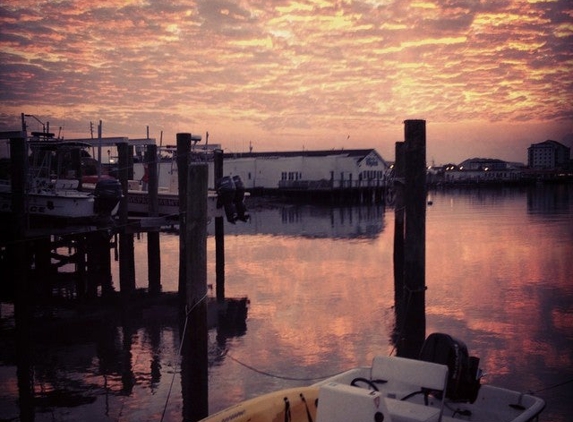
{"x": 308, "y": 170}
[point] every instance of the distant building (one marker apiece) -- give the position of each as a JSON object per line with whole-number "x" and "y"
{"x": 548, "y": 155}
{"x": 483, "y": 164}
{"x": 482, "y": 170}
{"x": 308, "y": 170}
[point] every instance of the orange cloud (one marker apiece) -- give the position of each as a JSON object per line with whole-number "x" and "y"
{"x": 271, "y": 72}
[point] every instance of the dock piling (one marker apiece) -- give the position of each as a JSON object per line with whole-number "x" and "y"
{"x": 399, "y": 223}
{"x": 219, "y": 233}
{"x": 415, "y": 237}
{"x": 183, "y": 151}
{"x": 195, "y": 349}
{"x": 126, "y": 242}
{"x": 22, "y": 308}
{"x": 153, "y": 244}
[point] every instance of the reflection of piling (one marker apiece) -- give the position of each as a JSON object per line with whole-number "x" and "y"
{"x": 153, "y": 249}
{"x": 194, "y": 374}
{"x": 415, "y": 237}
{"x": 99, "y": 266}
{"x": 219, "y": 233}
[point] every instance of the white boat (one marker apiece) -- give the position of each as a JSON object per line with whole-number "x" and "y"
{"x": 167, "y": 201}
{"x": 446, "y": 388}
{"x": 227, "y": 200}
{"x": 51, "y": 189}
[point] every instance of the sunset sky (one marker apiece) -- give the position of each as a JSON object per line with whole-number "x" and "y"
{"x": 489, "y": 77}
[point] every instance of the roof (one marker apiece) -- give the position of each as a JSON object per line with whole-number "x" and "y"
{"x": 483, "y": 160}
{"x": 548, "y": 143}
{"x": 358, "y": 153}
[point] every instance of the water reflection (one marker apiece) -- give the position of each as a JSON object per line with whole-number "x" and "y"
{"x": 502, "y": 279}
{"x": 320, "y": 285}
{"x": 311, "y": 221}
{"x": 115, "y": 366}
{"x": 547, "y": 200}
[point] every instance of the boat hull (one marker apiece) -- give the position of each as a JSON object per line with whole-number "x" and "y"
{"x": 272, "y": 407}
{"x": 168, "y": 204}
{"x": 493, "y": 404}
{"x": 71, "y": 205}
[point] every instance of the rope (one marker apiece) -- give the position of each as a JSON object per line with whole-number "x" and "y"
{"x": 553, "y": 386}
{"x": 403, "y": 325}
{"x": 282, "y": 377}
{"x": 187, "y": 313}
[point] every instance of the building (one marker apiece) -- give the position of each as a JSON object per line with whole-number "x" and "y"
{"x": 484, "y": 164}
{"x": 548, "y": 155}
{"x": 482, "y": 170}
{"x": 308, "y": 170}
{"x": 354, "y": 175}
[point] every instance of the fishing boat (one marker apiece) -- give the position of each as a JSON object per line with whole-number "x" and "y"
{"x": 227, "y": 200}
{"x": 444, "y": 385}
{"x": 53, "y": 190}
{"x": 167, "y": 201}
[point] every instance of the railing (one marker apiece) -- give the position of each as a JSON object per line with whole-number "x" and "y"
{"x": 330, "y": 184}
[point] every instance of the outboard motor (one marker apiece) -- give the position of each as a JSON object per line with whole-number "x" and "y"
{"x": 107, "y": 195}
{"x": 239, "y": 199}
{"x": 463, "y": 370}
{"x": 226, "y": 192}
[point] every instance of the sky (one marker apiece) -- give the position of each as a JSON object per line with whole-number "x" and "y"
{"x": 490, "y": 77}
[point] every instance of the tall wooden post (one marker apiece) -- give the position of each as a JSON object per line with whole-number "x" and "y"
{"x": 183, "y": 149}
{"x": 415, "y": 239}
{"x": 398, "y": 256}
{"x": 219, "y": 233}
{"x": 194, "y": 360}
{"x": 153, "y": 248}
{"x": 22, "y": 309}
{"x": 126, "y": 243}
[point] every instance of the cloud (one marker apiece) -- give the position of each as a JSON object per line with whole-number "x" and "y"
{"x": 313, "y": 68}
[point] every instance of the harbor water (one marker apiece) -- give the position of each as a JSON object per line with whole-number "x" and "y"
{"x": 319, "y": 280}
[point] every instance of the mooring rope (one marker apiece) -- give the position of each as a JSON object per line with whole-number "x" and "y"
{"x": 551, "y": 387}
{"x": 271, "y": 375}
{"x": 187, "y": 313}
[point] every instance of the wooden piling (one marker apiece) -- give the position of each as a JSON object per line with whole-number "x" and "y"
{"x": 126, "y": 242}
{"x": 153, "y": 244}
{"x": 194, "y": 360}
{"x": 398, "y": 256}
{"x": 22, "y": 308}
{"x": 183, "y": 150}
{"x": 415, "y": 237}
{"x": 219, "y": 233}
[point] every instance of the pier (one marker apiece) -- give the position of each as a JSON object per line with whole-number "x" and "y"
{"x": 34, "y": 250}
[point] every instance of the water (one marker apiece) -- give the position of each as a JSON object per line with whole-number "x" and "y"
{"x": 499, "y": 271}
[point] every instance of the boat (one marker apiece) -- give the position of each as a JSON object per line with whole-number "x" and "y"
{"x": 167, "y": 202}
{"x": 52, "y": 189}
{"x": 443, "y": 385}
{"x": 227, "y": 200}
